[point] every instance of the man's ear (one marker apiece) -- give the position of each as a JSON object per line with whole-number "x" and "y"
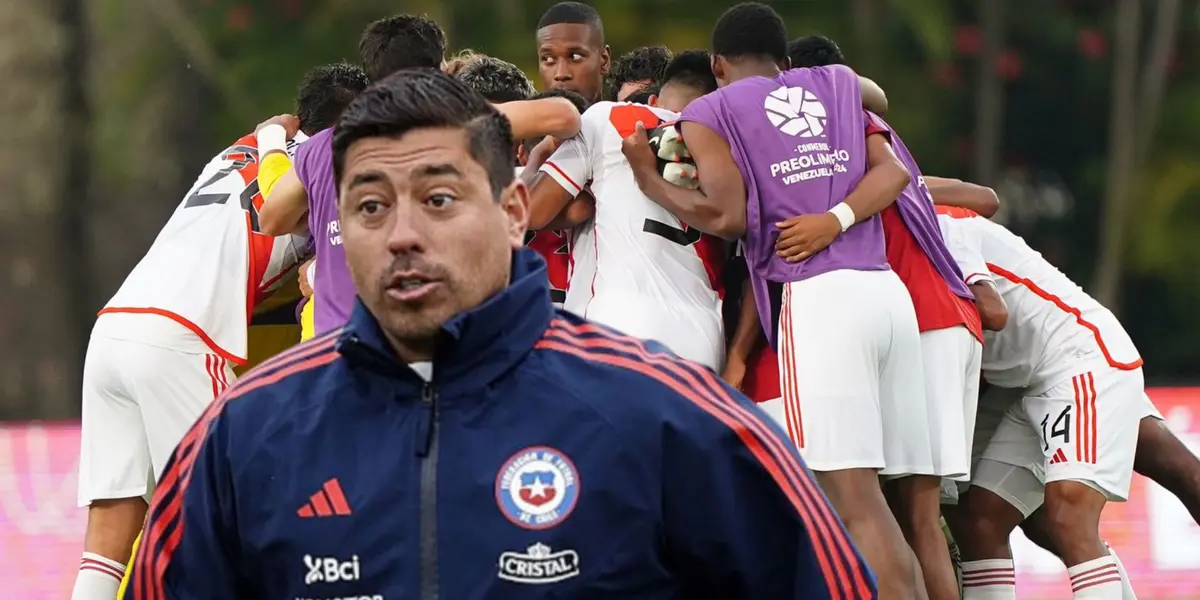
{"x": 653, "y": 101}
{"x": 514, "y": 203}
{"x": 785, "y": 64}
{"x": 718, "y": 66}
{"x": 605, "y": 60}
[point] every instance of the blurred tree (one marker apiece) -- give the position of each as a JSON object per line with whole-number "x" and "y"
{"x": 1133, "y": 120}
{"x": 989, "y": 94}
{"x": 37, "y": 370}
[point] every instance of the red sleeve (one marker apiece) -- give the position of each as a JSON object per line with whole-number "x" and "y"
{"x": 874, "y": 126}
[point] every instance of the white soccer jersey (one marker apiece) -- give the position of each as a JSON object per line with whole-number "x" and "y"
{"x": 636, "y": 266}
{"x": 1055, "y": 329}
{"x": 209, "y": 266}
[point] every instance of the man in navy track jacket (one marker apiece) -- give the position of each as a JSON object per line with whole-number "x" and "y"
{"x": 460, "y": 439}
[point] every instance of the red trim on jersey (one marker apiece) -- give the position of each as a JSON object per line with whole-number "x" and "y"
{"x": 955, "y": 212}
{"x": 1071, "y": 310}
{"x": 711, "y": 250}
{"x": 194, "y": 328}
{"x": 558, "y": 169}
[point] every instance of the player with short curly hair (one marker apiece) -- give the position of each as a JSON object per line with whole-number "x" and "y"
{"x": 637, "y": 70}
{"x": 498, "y": 80}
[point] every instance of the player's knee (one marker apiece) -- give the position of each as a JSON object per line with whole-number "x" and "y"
{"x": 1072, "y": 510}
{"x": 1036, "y": 530}
{"x": 986, "y": 521}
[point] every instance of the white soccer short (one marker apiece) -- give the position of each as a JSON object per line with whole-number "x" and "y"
{"x": 1083, "y": 429}
{"x": 951, "y": 358}
{"x": 138, "y": 402}
{"x": 851, "y": 374}
{"x": 690, "y": 331}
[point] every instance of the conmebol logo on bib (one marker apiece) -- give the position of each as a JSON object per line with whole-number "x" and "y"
{"x": 796, "y": 111}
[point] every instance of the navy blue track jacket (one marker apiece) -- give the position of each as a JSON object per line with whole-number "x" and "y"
{"x": 549, "y": 457}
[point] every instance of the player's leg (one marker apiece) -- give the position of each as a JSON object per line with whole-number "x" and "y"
{"x": 1005, "y": 489}
{"x": 1167, "y": 461}
{"x": 914, "y": 425}
{"x": 1089, "y": 429}
{"x": 829, "y": 361}
{"x": 1035, "y": 529}
{"x": 114, "y": 470}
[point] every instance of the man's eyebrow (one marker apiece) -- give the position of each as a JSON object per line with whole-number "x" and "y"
{"x": 365, "y": 178}
{"x": 436, "y": 170}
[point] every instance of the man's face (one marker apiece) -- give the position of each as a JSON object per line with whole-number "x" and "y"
{"x": 425, "y": 238}
{"x": 629, "y": 87}
{"x": 571, "y": 56}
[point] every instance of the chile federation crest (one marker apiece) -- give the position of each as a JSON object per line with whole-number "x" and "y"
{"x": 537, "y": 488}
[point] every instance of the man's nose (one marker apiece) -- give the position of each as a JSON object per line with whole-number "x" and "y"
{"x": 408, "y": 232}
{"x": 561, "y": 73}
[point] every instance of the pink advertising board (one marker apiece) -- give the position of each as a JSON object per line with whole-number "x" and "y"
{"x": 41, "y": 530}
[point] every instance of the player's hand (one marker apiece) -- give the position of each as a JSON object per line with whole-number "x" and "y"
{"x": 734, "y": 373}
{"x": 290, "y": 124}
{"x": 636, "y": 148}
{"x": 306, "y": 285}
{"x": 802, "y": 236}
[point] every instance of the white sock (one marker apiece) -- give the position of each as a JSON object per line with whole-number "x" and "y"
{"x": 1097, "y": 579}
{"x": 98, "y": 578}
{"x": 993, "y": 579}
{"x": 1126, "y": 585}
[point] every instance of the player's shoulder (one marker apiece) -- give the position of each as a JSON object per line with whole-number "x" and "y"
{"x": 624, "y": 376}
{"x": 306, "y": 370}
{"x": 598, "y": 111}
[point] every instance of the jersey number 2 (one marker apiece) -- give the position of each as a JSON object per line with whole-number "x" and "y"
{"x": 246, "y": 156}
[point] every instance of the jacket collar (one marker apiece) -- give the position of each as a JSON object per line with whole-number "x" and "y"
{"x": 477, "y": 346}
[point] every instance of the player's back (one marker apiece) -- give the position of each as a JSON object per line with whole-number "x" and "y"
{"x": 638, "y": 268}
{"x": 209, "y": 266}
{"x": 799, "y": 141}
{"x": 1054, "y": 326}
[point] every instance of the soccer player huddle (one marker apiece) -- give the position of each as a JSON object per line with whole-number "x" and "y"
{"x": 748, "y": 208}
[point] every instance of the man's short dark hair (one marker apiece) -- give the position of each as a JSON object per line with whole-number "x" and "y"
{"x": 748, "y": 30}
{"x": 647, "y": 63}
{"x": 643, "y": 95}
{"x": 815, "y": 51}
{"x": 581, "y": 103}
{"x": 401, "y": 42}
{"x": 692, "y": 68}
{"x": 325, "y": 93}
{"x": 572, "y": 13}
{"x": 499, "y": 81}
{"x": 424, "y": 98}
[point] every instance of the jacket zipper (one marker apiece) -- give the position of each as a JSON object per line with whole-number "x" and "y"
{"x": 429, "y": 468}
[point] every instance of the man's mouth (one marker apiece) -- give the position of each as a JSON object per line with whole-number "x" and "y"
{"x": 411, "y": 287}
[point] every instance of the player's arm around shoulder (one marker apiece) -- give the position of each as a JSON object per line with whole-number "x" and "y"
{"x": 285, "y": 202}
{"x": 718, "y": 206}
{"x": 743, "y": 514}
{"x": 190, "y": 546}
{"x": 543, "y": 116}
